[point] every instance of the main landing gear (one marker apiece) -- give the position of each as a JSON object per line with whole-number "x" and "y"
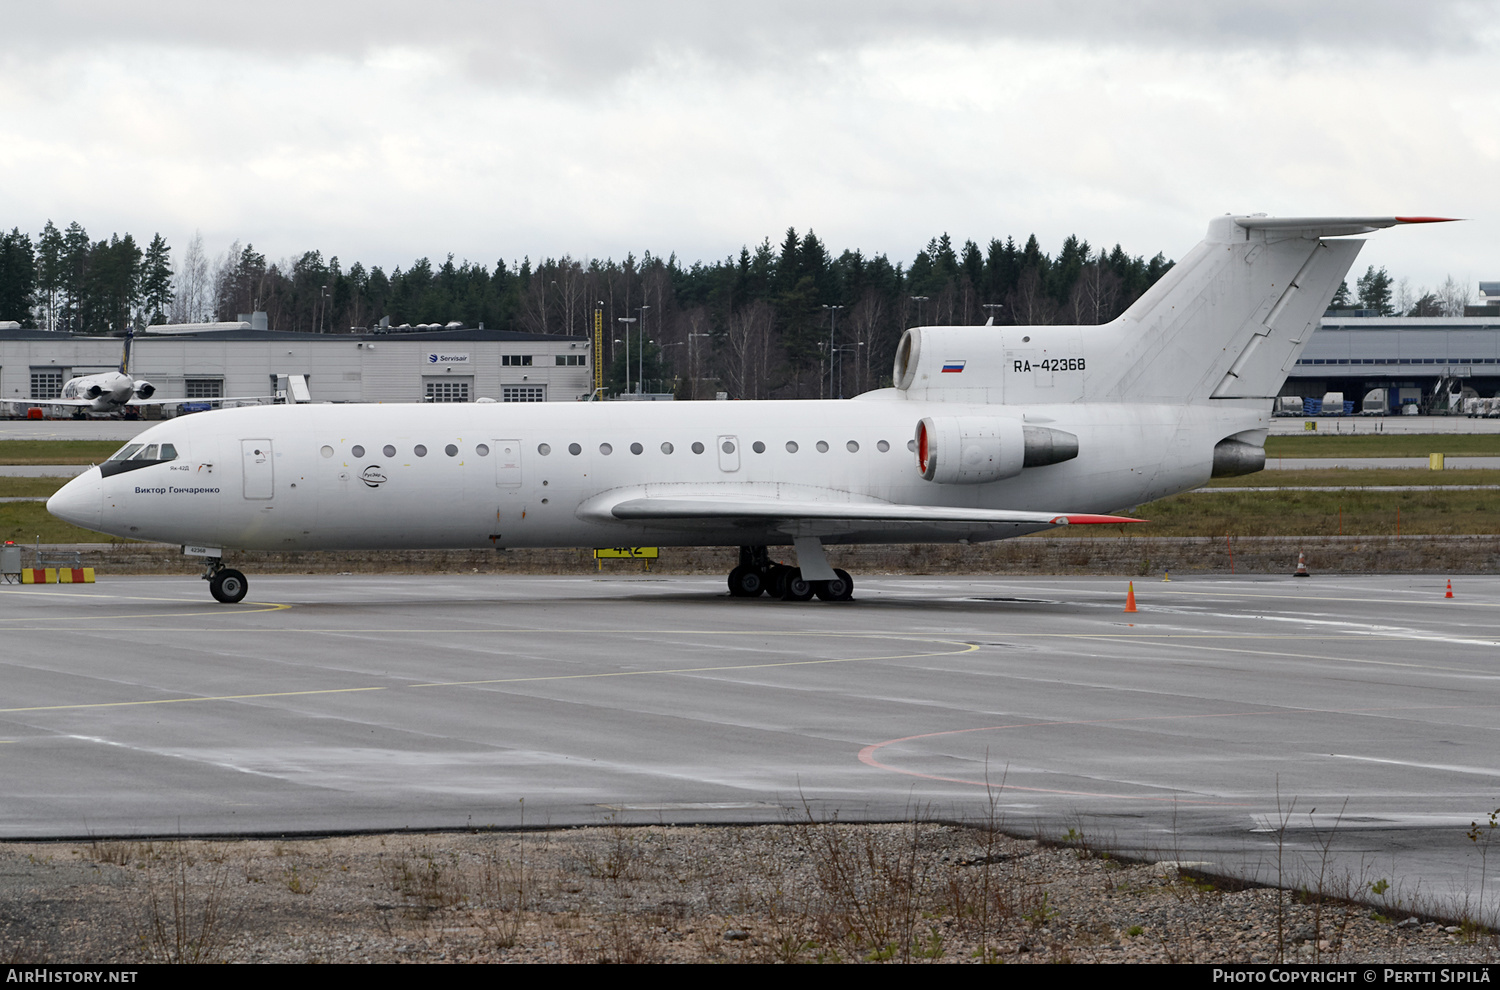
{"x": 226, "y": 584}
{"x": 758, "y": 575}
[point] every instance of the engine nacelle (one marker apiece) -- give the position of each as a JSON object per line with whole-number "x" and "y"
{"x": 145, "y": 389}
{"x": 93, "y": 392}
{"x": 969, "y": 450}
{"x": 973, "y": 450}
{"x": 1235, "y": 457}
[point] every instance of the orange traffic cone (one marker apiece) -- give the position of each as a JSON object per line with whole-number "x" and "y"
{"x": 1130, "y": 598}
{"x": 1301, "y": 570}
{"x": 1449, "y": 593}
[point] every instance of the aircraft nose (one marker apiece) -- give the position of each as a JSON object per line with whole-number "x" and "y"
{"x": 80, "y": 501}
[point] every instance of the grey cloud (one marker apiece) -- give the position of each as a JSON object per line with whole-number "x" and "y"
{"x": 573, "y": 44}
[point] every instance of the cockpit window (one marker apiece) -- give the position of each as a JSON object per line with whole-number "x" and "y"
{"x": 134, "y": 456}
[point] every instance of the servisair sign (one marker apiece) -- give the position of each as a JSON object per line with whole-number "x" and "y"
{"x": 433, "y": 359}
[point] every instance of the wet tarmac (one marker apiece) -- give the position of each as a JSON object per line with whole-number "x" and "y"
{"x": 1227, "y": 720}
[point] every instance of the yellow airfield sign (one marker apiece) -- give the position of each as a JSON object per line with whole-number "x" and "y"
{"x": 634, "y": 553}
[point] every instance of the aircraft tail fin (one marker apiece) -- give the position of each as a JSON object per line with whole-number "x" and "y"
{"x": 125, "y": 356}
{"x": 1229, "y": 320}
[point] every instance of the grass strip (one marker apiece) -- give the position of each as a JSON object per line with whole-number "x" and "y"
{"x": 57, "y": 451}
{"x": 1310, "y": 513}
{"x": 1383, "y": 445}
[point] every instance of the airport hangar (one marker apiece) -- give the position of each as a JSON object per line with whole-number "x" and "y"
{"x": 1417, "y": 359}
{"x": 1421, "y": 360}
{"x": 213, "y": 361}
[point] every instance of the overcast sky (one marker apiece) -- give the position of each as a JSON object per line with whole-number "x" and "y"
{"x": 382, "y": 131}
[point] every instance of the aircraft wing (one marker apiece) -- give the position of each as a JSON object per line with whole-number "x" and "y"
{"x": 179, "y": 401}
{"x": 752, "y": 509}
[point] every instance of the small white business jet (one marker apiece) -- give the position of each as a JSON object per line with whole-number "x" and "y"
{"x": 989, "y": 432}
{"x": 113, "y": 391}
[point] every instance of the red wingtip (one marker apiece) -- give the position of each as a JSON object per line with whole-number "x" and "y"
{"x": 1085, "y": 519}
{"x": 1429, "y": 219}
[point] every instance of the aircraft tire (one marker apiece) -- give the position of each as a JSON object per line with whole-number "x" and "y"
{"x": 746, "y": 582}
{"x": 840, "y": 589}
{"x": 796, "y": 588}
{"x": 228, "y": 586}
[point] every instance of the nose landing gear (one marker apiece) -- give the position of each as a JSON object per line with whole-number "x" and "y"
{"x": 226, "y": 584}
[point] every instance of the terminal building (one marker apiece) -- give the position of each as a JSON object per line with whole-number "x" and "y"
{"x": 210, "y": 362}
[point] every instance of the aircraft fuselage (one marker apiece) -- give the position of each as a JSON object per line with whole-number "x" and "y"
{"x": 520, "y": 475}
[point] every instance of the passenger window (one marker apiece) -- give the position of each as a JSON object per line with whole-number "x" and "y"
{"x": 697, "y": 447}
{"x": 853, "y": 446}
{"x": 666, "y": 448}
{"x": 388, "y": 450}
{"x": 822, "y": 446}
{"x": 636, "y": 448}
{"x": 882, "y": 446}
{"x": 544, "y": 449}
{"x": 791, "y": 446}
{"x": 420, "y": 450}
{"x": 574, "y": 449}
{"x": 758, "y": 447}
{"x": 326, "y": 451}
{"x": 357, "y": 450}
{"x": 605, "y": 448}
{"x": 451, "y": 450}
{"x": 483, "y": 450}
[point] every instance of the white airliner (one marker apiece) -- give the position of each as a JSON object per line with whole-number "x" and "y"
{"x": 989, "y": 432}
{"x": 112, "y": 391}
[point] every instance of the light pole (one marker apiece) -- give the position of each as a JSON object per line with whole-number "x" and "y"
{"x": 833, "y": 324}
{"x": 640, "y": 377}
{"x": 323, "y": 296}
{"x": 841, "y": 349}
{"x": 693, "y": 361}
{"x": 627, "y": 320}
{"x": 921, "y": 308}
{"x": 993, "y": 308}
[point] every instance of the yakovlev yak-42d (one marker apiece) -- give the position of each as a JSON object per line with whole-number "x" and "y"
{"x": 990, "y": 432}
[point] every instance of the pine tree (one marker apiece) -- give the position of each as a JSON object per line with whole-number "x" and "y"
{"x": 17, "y": 278}
{"x": 156, "y": 280}
{"x": 1375, "y": 291}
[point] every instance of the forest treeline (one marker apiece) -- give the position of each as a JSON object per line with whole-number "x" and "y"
{"x": 761, "y": 324}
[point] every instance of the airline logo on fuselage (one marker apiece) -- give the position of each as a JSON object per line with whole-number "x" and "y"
{"x": 373, "y": 476}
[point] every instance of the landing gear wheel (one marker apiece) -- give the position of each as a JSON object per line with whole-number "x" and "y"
{"x": 796, "y": 588}
{"x": 840, "y": 589}
{"x": 228, "y": 586}
{"x": 746, "y": 582}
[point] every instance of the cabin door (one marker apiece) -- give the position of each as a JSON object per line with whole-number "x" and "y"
{"x": 259, "y": 468}
{"x": 507, "y": 463}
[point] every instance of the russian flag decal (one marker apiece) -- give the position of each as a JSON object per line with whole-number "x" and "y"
{"x": 955, "y": 367}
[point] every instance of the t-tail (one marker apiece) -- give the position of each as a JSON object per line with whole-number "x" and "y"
{"x": 125, "y": 355}
{"x": 1230, "y": 319}
{"x": 1227, "y": 322}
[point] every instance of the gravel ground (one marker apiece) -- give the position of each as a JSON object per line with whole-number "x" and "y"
{"x": 783, "y": 893}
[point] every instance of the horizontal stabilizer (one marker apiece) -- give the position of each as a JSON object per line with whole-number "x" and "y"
{"x": 1332, "y": 226}
{"x": 641, "y": 509}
